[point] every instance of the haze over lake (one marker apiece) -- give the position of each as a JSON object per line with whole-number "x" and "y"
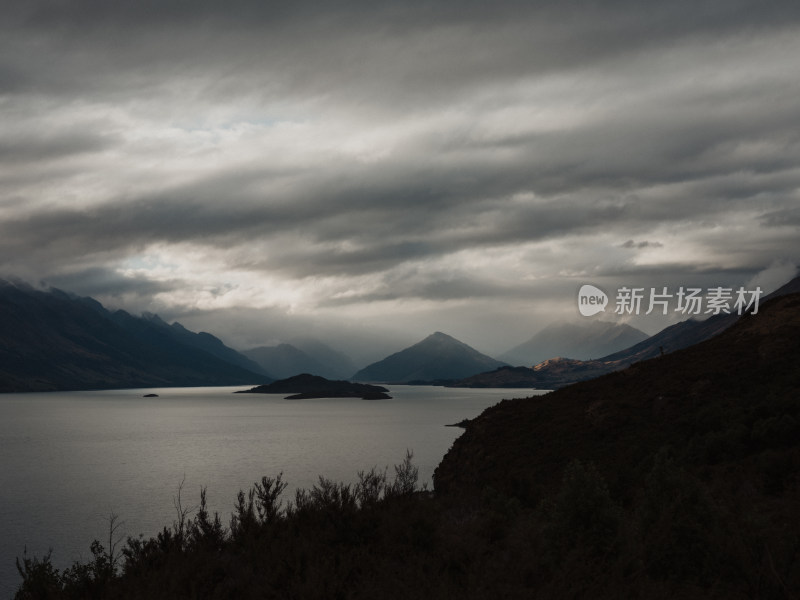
{"x": 72, "y": 458}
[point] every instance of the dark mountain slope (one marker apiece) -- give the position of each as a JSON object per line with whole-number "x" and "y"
{"x": 720, "y": 404}
{"x": 52, "y": 341}
{"x": 211, "y": 344}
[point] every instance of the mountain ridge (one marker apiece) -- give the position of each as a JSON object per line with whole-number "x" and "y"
{"x": 51, "y": 340}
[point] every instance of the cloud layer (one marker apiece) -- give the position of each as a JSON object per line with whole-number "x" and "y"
{"x": 383, "y": 165}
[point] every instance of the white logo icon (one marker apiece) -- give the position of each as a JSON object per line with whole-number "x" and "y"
{"x": 591, "y": 300}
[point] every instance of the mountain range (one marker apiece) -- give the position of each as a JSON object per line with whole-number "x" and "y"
{"x": 57, "y": 341}
{"x": 437, "y": 357}
{"x": 558, "y": 371}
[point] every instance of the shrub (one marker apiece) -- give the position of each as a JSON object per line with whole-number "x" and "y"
{"x": 582, "y": 514}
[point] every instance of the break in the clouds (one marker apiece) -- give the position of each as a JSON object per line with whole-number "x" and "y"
{"x": 435, "y": 165}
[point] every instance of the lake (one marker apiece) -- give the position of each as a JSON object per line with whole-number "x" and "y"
{"x": 70, "y": 459}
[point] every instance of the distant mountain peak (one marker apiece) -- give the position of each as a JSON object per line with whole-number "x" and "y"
{"x": 583, "y": 340}
{"x": 441, "y": 338}
{"x": 437, "y": 357}
{"x": 440, "y": 335}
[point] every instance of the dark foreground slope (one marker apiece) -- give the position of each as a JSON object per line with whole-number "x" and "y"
{"x": 700, "y": 450}
{"x": 676, "y": 478}
{"x": 737, "y": 392}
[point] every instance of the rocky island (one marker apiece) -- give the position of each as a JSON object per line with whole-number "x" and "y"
{"x": 313, "y": 386}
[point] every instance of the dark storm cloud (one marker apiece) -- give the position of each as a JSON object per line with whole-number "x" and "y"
{"x": 436, "y": 287}
{"x": 385, "y": 234}
{"x": 386, "y": 223}
{"x": 388, "y": 50}
{"x": 392, "y": 145}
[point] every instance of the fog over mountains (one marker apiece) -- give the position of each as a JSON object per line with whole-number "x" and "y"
{"x": 584, "y": 340}
{"x": 304, "y": 356}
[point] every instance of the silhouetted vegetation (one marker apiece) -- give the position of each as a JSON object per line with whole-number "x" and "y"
{"x": 384, "y": 537}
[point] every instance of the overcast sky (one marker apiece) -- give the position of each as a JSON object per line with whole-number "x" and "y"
{"x": 268, "y": 169}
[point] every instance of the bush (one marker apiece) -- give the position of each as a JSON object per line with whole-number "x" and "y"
{"x": 680, "y": 524}
{"x": 582, "y": 514}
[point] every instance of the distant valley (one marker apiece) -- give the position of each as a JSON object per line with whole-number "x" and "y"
{"x": 303, "y": 356}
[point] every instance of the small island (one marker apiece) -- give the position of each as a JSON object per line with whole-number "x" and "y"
{"x": 307, "y": 386}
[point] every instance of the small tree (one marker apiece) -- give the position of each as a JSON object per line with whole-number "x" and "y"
{"x": 406, "y": 476}
{"x": 39, "y": 578}
{"x": 371, "y": 486}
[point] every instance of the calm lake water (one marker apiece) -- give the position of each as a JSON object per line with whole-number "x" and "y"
{"x": 70, "y": 459}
